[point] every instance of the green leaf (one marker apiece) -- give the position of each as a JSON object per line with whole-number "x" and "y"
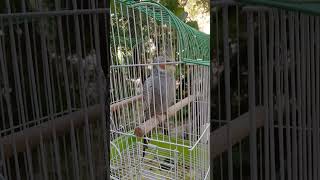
{"x": 193, "y": 24}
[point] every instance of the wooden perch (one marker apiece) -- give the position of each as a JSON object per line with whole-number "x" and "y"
{"x": 120, "y": 104}
{"x": 62, "y": 125}
{"x": 148, "y": 125}
{"x": 239, "y": 128}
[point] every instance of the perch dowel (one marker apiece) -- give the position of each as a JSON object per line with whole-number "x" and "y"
{"x": 120, "y": 104}
{"x": 239, "y": 128}
{"x": 61, "y": 125}
{"x": 148, "y": 125}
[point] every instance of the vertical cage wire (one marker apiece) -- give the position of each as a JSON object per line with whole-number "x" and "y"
{"x": 51, "y": 90}
{"x": 144, "y": 37}
{"x": 277, "y": 93}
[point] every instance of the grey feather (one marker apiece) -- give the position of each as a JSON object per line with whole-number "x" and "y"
{"x": 158, "y": 93}
{"x": 158, "y": 90}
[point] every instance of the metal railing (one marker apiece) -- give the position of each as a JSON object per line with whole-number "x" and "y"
{"x": 52, "y": 115}
{"x": 273, "y": 54}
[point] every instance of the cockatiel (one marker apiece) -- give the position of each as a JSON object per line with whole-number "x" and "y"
{"x": 159, "y": 90}
{"x": 216, "y": 70}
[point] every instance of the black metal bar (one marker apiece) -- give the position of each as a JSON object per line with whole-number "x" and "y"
{"x": 252, "y": 99}
{"x": 104, "y": 29}
{"x": 42, "y": 14}
{"x": 265, "y": 95}
{"x": 227, "y": 86}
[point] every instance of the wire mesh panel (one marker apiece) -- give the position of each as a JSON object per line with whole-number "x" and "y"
{"x": 51, "y": 90}
{"x": 159, "y": 95}
{"x": 273, "y": 131}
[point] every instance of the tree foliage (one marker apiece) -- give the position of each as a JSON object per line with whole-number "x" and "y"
{"x": 179, "y": 9}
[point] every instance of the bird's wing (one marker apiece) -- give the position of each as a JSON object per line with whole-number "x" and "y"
{"x": 148, "y": 98}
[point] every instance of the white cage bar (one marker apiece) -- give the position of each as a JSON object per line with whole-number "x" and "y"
{"x": 274, "y": 55}
{"x": 178, "y": 139}
{"x": 51, "y": 90}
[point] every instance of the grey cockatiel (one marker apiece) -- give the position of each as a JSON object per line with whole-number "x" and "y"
{"x": 159, "y": 89}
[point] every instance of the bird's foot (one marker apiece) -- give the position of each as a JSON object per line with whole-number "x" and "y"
{"x": 165, "y": 132}
{"x": 185, "y": 136}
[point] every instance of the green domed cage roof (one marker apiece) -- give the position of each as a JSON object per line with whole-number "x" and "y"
{"x": 193, "y": 46}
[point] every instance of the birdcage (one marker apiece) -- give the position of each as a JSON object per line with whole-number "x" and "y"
{"x": 167, "y": 137}
{"x": 270, "y": 117}
{"x": 52, "y": 90}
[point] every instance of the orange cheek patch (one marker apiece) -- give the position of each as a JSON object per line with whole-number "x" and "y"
{"x": 162, "y": 66}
